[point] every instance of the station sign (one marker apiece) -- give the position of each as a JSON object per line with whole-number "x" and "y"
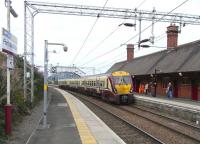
{"x": 8, "y": 42}
{"x": 10, "y": 62}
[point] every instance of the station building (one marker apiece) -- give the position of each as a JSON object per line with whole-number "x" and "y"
{"x": 179, "y": 65}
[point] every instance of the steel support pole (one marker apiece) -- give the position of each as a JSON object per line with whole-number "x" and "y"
{"x": 155, "y": 83}
{"x": 140, "y": 27}
{"x": 8, "y": 106}
{"x": 32, "y": 60}
{"x": 25, "y": 53}
{"x": 45, "y": 84}
{"x": 8, "y": 84}
{"x": 8, "y": 70}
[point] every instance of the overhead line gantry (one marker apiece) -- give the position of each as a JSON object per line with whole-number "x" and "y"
{"x": 32, "y": 8}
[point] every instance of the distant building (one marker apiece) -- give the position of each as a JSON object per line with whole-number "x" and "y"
{"x": 73, "y": 69}
{"x": 62, "y": 75}
{"x": 178, "y": 64}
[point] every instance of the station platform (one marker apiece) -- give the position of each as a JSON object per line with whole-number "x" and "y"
{"x": 70, "y": 121}
{"x": 186, "y": 109}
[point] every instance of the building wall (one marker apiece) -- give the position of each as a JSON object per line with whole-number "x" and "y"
{"x": 184, "y": 87}
{"x": 184, "y": 91}
{"x": 161, "y": 91}
{"x": 199, "y": 91}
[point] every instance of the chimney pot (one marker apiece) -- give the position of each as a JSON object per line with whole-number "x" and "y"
{"x": 130, "y": 52}
{"x": 172, "y": 36}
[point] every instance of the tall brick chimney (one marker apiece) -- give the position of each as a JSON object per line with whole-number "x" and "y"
{"x": 172, "y": 36}
{"x": 130, "y": 52}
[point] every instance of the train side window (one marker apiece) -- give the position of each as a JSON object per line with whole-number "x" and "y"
{"x": 101, "y": 84}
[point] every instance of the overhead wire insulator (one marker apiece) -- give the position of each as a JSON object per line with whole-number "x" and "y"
{"x": 152, "y": 28}
{"x": 135, "y": 18}
{"x": 144, "y": 40}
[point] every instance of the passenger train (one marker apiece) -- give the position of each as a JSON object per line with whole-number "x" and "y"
{"x": 116, "y": 87}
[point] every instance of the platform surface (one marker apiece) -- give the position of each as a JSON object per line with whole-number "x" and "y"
{"x": 175, "y": 102}
{"x": 71, "y": 122}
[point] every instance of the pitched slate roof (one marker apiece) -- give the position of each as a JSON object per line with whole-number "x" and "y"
{"x": 184, "y": 58}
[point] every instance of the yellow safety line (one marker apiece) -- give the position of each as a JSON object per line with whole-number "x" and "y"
{"x": 85, "y": 134}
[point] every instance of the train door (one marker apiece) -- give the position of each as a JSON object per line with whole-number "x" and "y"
{"x": 194, "y": 90}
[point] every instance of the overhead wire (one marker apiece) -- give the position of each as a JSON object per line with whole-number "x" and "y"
{"x": 100, "y": 43}
{"x": 107, "y": 64}
{"x": 141, "y": 4}
{"x": 88, "y": 34}
{"x": 111, "y": 33}
{"x": 157, "y": 21}
{"x": 116, "y": 56}
{"x": 160, "y": 38}
{"x": 111, "y": 63}
{"x": 133, "y": 36}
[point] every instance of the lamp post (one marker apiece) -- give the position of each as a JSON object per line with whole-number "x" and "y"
{"x": 45, "y": 78}
{"x": 8, "y": 106}
{"x": 155, "y": 81}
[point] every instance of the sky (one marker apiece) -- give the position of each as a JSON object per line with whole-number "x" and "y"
{"x": 73, "y": 30}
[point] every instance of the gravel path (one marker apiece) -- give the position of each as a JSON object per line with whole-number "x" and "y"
{"x": 23, "y": 130}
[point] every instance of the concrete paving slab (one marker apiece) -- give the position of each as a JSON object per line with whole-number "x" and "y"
{"x": 62, "y": 128}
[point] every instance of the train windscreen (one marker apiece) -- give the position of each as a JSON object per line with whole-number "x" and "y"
{"x": 121, "y": 79}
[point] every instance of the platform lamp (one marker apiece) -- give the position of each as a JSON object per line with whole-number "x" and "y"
{"x": 65, "y": 48}
{"x": 155, "y": 81}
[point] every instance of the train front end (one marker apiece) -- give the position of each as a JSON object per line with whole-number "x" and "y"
{"x": 122, "y": 87}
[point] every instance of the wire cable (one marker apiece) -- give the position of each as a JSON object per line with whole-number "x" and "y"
{"x": 88, "y": 34}
{"x": 118, "y": 59}
{"x": 100, "y": 43}
{"x": 141, "y": 4}
{"x": 156, "y": 21}
{"x": 111, "y": 33}
{"x": 116, "y": 56}
{"x": 134, "y": 36}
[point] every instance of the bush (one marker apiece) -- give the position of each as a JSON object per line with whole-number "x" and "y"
{"x": 20, "y": 106}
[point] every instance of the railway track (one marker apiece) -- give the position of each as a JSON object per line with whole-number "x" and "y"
{"x": 188, "y": 123}
{"x": 130, "y": 133}
{"x": 186, "y": 130}
{"x": 162, "y": 130}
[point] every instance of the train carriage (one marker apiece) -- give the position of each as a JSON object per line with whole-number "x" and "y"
{"x": 116, "y": 87}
